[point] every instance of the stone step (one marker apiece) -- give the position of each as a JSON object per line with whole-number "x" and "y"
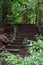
{"x": 16, "y": 46}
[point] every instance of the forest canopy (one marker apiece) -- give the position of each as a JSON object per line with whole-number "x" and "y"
{"x": 21, "y": 11}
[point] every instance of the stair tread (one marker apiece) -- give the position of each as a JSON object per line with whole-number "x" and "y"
{"x": 12, "y": 49}
{"x": 18, "y": 45}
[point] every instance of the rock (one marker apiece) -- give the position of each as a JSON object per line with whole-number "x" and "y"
{"x": 3, "y": 38}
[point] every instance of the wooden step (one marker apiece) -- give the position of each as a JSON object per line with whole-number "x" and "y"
{"x": 13, "y": 50}
{"x": 16, "y": 43}
{"x": 16, "y": 46}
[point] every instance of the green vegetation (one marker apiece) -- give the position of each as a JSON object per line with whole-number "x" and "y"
{"x": 21, "y": 11}
{"x": 35, "y": 58}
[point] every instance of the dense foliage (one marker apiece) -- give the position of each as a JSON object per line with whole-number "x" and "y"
{"x": 27, "y": 10}
{"x": 21, "y": 11}
{"x": 36, "y": 59}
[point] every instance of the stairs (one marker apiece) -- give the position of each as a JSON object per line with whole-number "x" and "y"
{"x": 25, "y": 31}
{"x": 17, "y": 47}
